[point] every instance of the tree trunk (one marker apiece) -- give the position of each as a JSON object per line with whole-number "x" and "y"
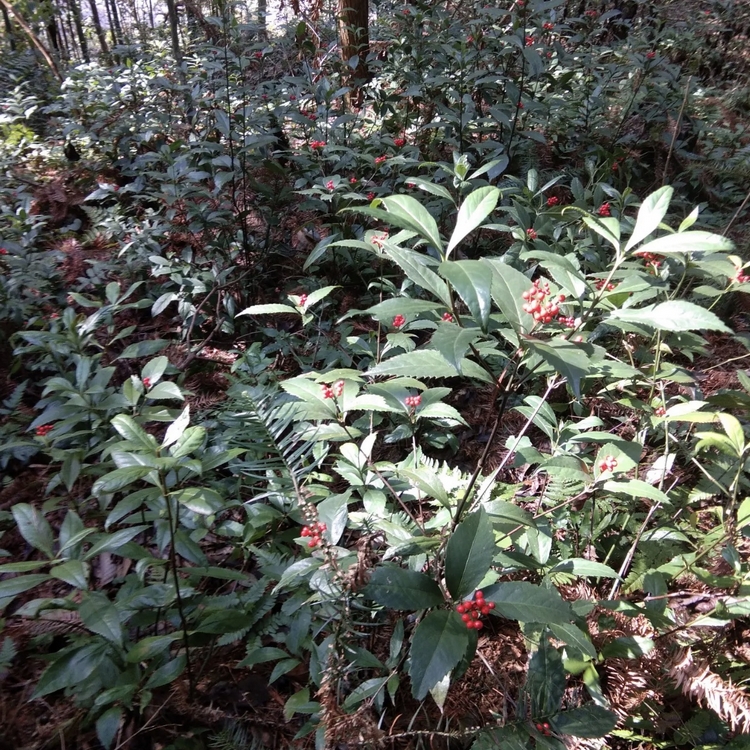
{"x": 262, "y": 13}
{"x": 354, "y": 40}
{"x": 8, "y": 29}
{"x": 112, "y": 31}
{"x": 173, "y": 30}
{"x": 33, "y": 38}
{"x": 98, "y": 27}
{"x": 116, "y": 21}
{"x": 75, "y": 11}
{"x": 151, "y": 14}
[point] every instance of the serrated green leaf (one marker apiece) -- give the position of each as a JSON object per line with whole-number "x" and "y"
{"x": 637, "y": 488}
{"x": 11, "y": 587}
{"x": 107, "y": 726}
{"x": 165, "y": 391}
{"x": 572, "y": 635}
{"x": 477, "y": 206}
{"x": 508, "y": 286}
{"x": 399, "y": 588}
{"x": 469, "y": 554}
{"x": 545, "y": 680}
{"x": 119, "y": 479}
{"x": 674, "y": 315}
{"x": 652, "y": 211}
{"x": 413, "y": 215}
{"x": 566, "y": 358}
{"x": 128, "y": 428}
{"x": 472, "y": 282}
{"x": 73, "y": 572}
{"x": 523, "y": 601}
{"x": 101, "y": 616}
{"x": 453, "y": 342}
{"x": 585, "y": 721}
{"x": 437, "y": 646}
{"x": 148, "y": 648}
{"x": 34, "y": 528}
{"x": 688, "y": 242}
{"x": 416, "y": 268}
{"x": 423, "y": 363}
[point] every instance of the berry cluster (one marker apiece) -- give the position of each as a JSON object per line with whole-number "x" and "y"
{"x": 302, "y": 300}
{"x": 531, "y": 233}
{"x": 650, "y": 55}
{"x": 552, "y": 201}
{"x": 380, "y": 160}
{"x": 472, "y": 611}
{"x": 447, "y": 317}
{"x": 353, "y": 180}
{"x": 399, "y": 142}
{"x": 604, "y": 210}
{"x": 547, "y": 26}
{"x": 146, "y": 383}
{"x": 660, "y": 411}
{"x": 333, "y": 391}
{"x": 537, "y": 304}
{"x": 314, "y": 531}
{"x": 600, "y": 284}
{"x": 544, "y": 728}
{"x": 330, "y": 185}
{"x": 317, "y": 144}
{"x": 413, "y": 401}
{"x": 529, "y": 41}
{"x": 741, "y": 277}
{"x": 567, "y": 321}
{"x": 258, "y": 55}
{"x": 377, "y": 239}
{"x": 399, "y": 321}
{"x": 652, "y": 260}
{"x": 43, "y": 429}
{"x": 371, "y": 196}
{"x": 591, "y": 13}
{"x": 3, "y": 251}
{"x": 609, "y": 463}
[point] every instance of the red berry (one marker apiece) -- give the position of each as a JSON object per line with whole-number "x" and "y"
{"x": 491, "y": 605}
{"x": 478, "y": 625}
{"x": 485, "y": 610}
{"x": 460, "y": 608}
{"x": 311, "y": 543}
{"x": 305, "y": 531}
{"x": 398, "y": 321}
{"x": 466, "y": 618}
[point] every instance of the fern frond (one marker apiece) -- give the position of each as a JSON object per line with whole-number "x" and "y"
{"x": 265, "y": 425}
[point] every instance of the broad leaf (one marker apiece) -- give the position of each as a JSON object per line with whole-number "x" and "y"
{"x": 453, "y": 342}
{"x": 545, "y": 680}
{"x": 74, "y": 572}
{"x": 674, "y": 315}
{"x": 399, "y": 588}
{"x": 413, "y": 215}
{"x": 474, "y": 210}
{"x": 269, "y": 309}
{"x": 472, "y": 282}
{"x": 650, "y": 214}
{"x": 574, "y": 636}
{"x": 526, "y": 602}
{"x": 107, "y": 726}
{"x": 437, "y": 646}
{"x": 687, "y": 242}
{"x": 566, "y": 358}
{"x": 417, "y": 270}
{"x": 579, "y": 566}
{"x": 101, "y": 616}
{"x": 14, "y": 586}
{"x": 638, "y": 488}
{"x": 586, "y": 721}
{"x": 508, "y": 286}
{"x": 469, "y": 554}
{"x": 34, "y": 528}
{"x": 423, "y": 363}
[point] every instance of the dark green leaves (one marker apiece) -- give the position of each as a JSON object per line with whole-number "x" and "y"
{"x": 398, "y": 588}
{"x": 34, "y": 528}
{"x": 475, "y": 209}
{"x": 586, "y": 721}
{"x": 438, "y": 644}
{"x": 472, "y": 282}
{"x": 523, "y": 601}
{"x": 674, "y": 315}
{"x": 545, "y": 680}
{"x": 469, "y": 554}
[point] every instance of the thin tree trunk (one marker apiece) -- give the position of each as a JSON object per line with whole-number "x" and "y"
{"x": 151, "y": 14}
{"x": 354, "y": 40}
{"x": 98, "y": 27}
{"x": 8, "y": 29}
{"x": 173, "y": 30}
{"x": 33, "y": 38}
{"x": 69, "y": 41}
{"x": 75, "y": 11}
{"x": 262, "y": 13}
{"x": 116, "y": 21}
{"x": 112, "y": 31}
